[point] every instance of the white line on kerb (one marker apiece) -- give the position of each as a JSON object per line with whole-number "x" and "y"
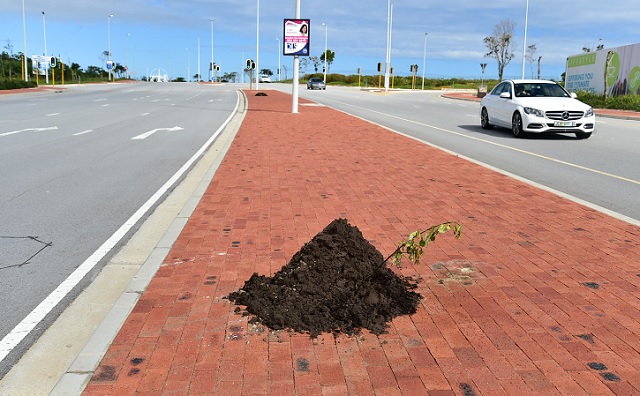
{"x": 11, "y": 340}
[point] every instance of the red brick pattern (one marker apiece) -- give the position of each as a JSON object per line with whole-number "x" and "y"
{"x": 541, "y": 296}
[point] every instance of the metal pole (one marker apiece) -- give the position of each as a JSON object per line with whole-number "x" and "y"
{"x": 211, "y": 65}
{"x": 199, "y": 75}
{"x": 109, "y": 45}
{"x": 388, "y": 59}
{"x": 258, "y": 45}
{"x": 126, "y": 56}
{"x": 24, "y": 35}
{"x": 278, "y": 58}
{"x": 296, "y": 72}
{"x": 524, "y": 46}
{"x": 424, "y": 59}
{"x": 188, "y": 65}
{"x": 325, "y": 52}
{"x": 46, "y": 62}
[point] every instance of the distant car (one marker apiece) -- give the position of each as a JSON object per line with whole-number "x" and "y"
{"x": 265, "y": 78}
{"x": 536, "y": 106}
{"x": 316, "y": 83}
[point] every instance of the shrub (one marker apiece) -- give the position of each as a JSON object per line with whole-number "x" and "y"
{"x": 626, "y": 102}
{"x": 16, "y": 84}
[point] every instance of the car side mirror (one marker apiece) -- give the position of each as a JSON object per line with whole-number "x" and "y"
{"x": 574, "y": 95}
{"x": 505, "y": 95}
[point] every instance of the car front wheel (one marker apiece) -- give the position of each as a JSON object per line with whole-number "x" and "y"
{"x": 484, "y": 119}
{"x": 516, "y": 125}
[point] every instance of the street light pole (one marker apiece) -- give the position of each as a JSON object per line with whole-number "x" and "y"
{"x": 524, "y": 46}
{"x": 325, "y": 51}
{"x": 388, "y": 59}
{"x": 258, "y": 45}
{"x": 24, "y": 35}
{"x": 188, "y": 65}
{"x": 46, "y": 63}
{"x": 109, "y": 65}
{"x": 278, "y": 58}
{"x": 424, "y": 59}
{"x": 295, "y": 90}
{"x": 126, "y": 60}
{"x": 211, "y": 65}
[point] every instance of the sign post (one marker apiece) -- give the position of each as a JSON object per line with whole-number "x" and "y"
{"x": 296, "y": 43}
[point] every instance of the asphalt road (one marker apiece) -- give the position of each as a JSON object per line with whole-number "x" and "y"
{"x": 603, "y": 170}
{"x": 77, "y": 168}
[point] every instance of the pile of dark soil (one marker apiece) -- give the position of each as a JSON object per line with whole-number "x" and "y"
{"x": 337, "y": 282}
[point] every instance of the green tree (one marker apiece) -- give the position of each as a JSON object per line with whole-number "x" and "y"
{"x": 330, "y": 56}
{"x": 501, "y": 44}
{"x": 266, "y": 72}
{"x": 95, "y": 71}
{"x": 232, "y": 77}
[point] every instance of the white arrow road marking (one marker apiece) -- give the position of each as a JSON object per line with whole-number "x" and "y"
{"x": 27, "y": 130}
{"x": 147, "y": 134}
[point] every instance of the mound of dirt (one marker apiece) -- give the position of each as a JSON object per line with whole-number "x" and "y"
{"x": 337, "y": 283}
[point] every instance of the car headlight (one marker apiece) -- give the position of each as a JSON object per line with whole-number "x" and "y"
{"x": 535, "y": 112}
{"x": 589, "y": 112}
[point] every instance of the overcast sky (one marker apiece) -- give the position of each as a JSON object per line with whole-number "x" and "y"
{"x": 151, "y": 34}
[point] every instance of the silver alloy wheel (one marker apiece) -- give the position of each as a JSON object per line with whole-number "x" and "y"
{"x": 516, "y": 125}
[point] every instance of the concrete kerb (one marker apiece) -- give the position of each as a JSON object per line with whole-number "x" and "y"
{"x": 150, "y": 245}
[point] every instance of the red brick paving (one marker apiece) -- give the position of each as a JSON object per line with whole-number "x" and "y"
{"x": 507, "y": 309}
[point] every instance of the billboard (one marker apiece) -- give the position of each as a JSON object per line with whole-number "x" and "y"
{"x": 296, "y": 37}
{"x": 619, "y": 67}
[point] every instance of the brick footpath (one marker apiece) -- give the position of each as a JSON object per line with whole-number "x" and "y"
{"x": 541, "y": 296}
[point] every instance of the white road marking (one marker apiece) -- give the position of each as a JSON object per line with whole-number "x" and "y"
{"x": 105, "y": 105}
{"x": 145, "y": 114}
{"x": 27, "y": 130}
{"x": 151, "y": 132}
{"x": 99, "y": 100}
{"x": 83, "y": 132}
{"x": 53, "y": 114}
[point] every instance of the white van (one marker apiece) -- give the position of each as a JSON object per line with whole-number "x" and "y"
{"x": 265, "y": 79}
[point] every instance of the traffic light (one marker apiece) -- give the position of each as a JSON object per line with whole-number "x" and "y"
{"x": 249, "y": 62}
{"x": 323, "y": 69}
{"x": 379, "y": 66}
{"x": 253, "y": 65}
{"x": 53, "y": 61}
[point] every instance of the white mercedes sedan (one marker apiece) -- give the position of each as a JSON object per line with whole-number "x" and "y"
{"x": 536, "y": 106}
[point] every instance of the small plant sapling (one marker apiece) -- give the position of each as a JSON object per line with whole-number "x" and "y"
{"x": 415, "y": 245}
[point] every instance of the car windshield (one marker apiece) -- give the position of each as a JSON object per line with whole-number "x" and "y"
{"x": 316, "y": 80}
{"x": 540, "y": 90}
